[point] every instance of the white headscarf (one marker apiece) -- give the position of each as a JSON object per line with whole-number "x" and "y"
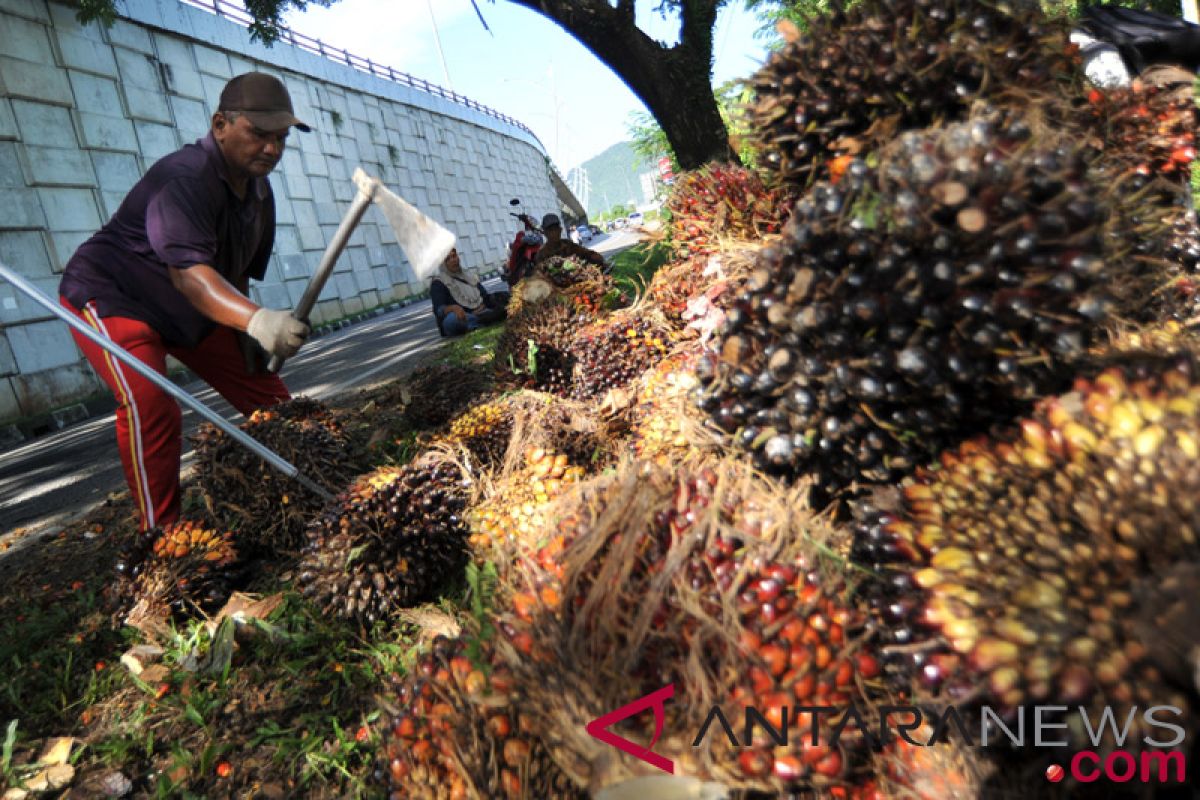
{"x": 463, "y": 288}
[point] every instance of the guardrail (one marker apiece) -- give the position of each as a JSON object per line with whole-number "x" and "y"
{"x": 240, "y": 16}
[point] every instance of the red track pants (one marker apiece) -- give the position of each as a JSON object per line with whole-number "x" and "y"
{"x": 149, "y": 421}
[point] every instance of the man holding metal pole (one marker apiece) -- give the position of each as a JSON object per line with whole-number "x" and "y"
{"x": 169, "y": 273}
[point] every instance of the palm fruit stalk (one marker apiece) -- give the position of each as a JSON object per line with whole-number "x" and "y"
{"x": 458, "y": 735}
{"x": 722, "y": 201}
{"x": 436, "y": 393}
{"x": 862, "y": 71}
{"x": 533, "y": 350}
{"x": 1010, "y": 570}
{"x": 914, "y": 304}
{"x": 185, "y": 568}
{"x": 270, "y": 509}
{"x": 516, "y": 513}
{"x": 484, "y": 430}
{"x": 394, "y": 539}
{"x": 613, "y": 351}
{"x": 695, "y": 576}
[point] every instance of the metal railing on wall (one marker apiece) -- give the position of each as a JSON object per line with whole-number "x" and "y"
{"x": 240, "y": 16}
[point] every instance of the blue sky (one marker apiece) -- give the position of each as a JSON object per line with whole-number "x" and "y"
{"x": 527, "y": 67}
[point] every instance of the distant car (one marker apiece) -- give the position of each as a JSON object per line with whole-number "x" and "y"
{"x": 635, "y": 218}
{"x": 596, "y": 231}
{"x": 584, "y": 232}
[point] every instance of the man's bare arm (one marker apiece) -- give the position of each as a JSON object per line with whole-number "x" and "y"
{"x": 213, "y": 296}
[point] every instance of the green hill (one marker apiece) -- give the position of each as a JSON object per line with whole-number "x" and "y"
{"x": 614, "y": 176}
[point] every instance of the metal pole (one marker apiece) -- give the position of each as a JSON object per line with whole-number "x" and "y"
{"x": 240, "y": 436}
{"x": 437, "y": 37}
{"x": 336, "y": 245}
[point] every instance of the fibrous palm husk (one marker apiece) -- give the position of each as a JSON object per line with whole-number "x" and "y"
{"x": 639, "y": 587}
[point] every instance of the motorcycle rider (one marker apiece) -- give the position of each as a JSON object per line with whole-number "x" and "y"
{"x": 556, "y": 245}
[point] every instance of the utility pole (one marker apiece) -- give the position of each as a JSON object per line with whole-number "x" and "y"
{"x": 437, "y": 37}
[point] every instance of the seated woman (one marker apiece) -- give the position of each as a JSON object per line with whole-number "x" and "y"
{"x": 460, "y": 302}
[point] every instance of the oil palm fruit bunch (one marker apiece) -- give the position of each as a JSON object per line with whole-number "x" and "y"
{"x": 437, "y": 393}
{"x": 565, "y": 271}
{"x": 691, "y": 577}
{"x": 518, "y": 510}
{"x": 664, "y": 423}
{"x": 722, "y": 201}
{"x": 613, "y": 351}
{"x": 245, "y": 492}
{"x": 1178, "y": 296}
{"x": 1141, "y": 129}
{"x": 913, "y": 304}
{"x": 533, "y": 350}
{"x": 394, "y": 539}
{"x": 184, "y": 567}
{"x": 862, "y": 71}
{"x": 950, "y": 770}
{"x": 485, "y": 430}
{"x": 458, "y": 733}
{"x": 675, "y": 284}
{"x": 1010, "y": 569}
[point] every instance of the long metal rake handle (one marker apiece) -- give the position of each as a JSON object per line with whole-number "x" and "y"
{"x": 240, "y": 436}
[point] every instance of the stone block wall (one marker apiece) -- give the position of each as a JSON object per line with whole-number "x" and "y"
{"x": 85, "y": 110}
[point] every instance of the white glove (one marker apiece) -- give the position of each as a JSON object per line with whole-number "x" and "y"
{"x": 278, "y": 332}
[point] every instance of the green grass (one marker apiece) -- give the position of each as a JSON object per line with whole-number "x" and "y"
{"x": 633, "y": 268}
{"x": 476, "y": 347}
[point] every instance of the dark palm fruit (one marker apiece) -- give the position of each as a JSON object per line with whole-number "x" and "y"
{"x": 458, "y": 733}
{"x": 1024, "y": 553}
{"x": 183, "y": 568}
{"x": 929, "y": 351}
{"x": 396, "y": 538}
{"x": 695, "y": 595}
{"x": 610, "y": 353}
{"x": 722, "y": 201}
{"x": 439, "y": 392}
{"x": 533, "y": 350}
{"x": 270, "y": 509}
{"x": 484, "y": 430}
{"x": 853, "y": 77}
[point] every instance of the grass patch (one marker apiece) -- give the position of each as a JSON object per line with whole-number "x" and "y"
{"x": 633, "y": 268}
{"x": 476, "y": 347}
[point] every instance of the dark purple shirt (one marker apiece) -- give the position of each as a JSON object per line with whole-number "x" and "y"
{"x": 181, "y": 213}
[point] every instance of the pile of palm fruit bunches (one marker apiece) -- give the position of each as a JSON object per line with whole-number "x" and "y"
{"x": 911, "y": 417}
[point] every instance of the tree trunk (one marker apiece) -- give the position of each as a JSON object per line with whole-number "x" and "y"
{"x": 675, "y": 83}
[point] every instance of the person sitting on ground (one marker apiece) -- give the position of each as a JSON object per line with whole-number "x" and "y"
{"x": 556, "y": 245}
{"x": 460, "y": 302}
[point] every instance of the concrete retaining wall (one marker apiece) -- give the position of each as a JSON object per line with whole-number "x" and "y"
{"x": 84, "y": 111}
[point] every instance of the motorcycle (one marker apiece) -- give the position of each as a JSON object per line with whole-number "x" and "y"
{"x": 524, "y": 248}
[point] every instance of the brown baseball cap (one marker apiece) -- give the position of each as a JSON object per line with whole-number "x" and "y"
{"x": 263, "y": 99}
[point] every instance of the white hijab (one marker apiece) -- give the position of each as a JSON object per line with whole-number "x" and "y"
{"x": 463, "y": 288}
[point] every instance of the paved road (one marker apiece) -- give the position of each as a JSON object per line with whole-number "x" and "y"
{"x": 51, "y": 480}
